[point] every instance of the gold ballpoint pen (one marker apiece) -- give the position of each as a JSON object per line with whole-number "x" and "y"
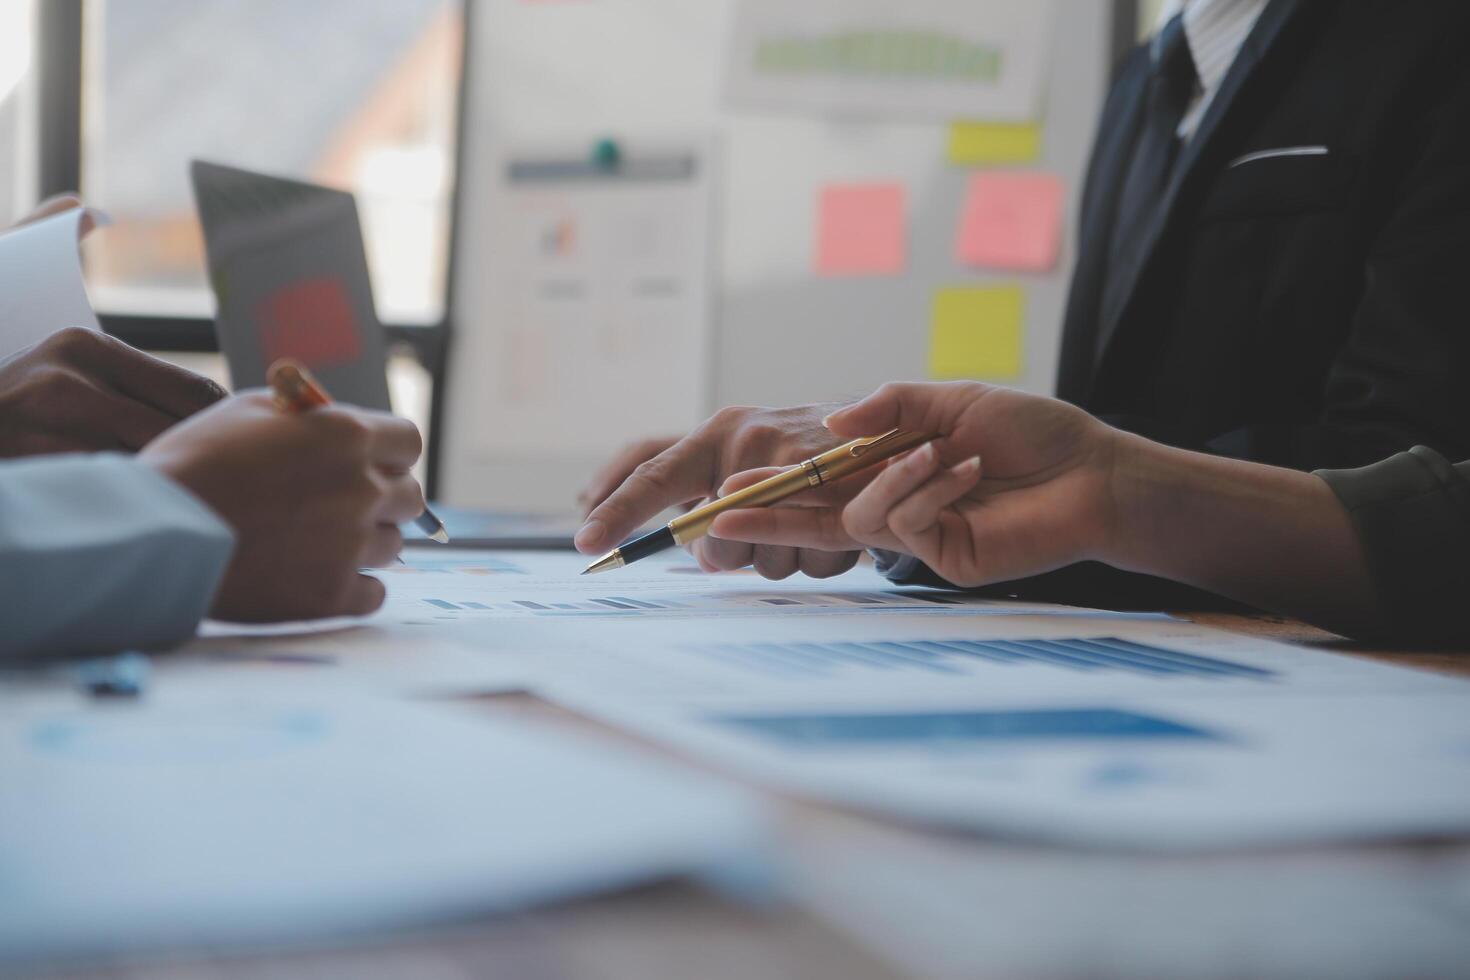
{"x": 834, "y": 464}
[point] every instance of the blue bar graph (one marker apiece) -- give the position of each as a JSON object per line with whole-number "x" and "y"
{"x": 1081, "y": 655}
{"x": 832, "y": 730}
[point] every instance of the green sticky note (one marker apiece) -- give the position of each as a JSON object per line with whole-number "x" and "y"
{"x": 975, "y": 332}
{"x": 980, "y": 143}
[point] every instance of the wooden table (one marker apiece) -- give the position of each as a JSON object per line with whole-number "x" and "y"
{"x": 679, "y": 929}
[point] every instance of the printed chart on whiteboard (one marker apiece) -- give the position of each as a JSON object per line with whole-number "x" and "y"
{"x": 920, "y": 59}
{"x": 606, "y": 292}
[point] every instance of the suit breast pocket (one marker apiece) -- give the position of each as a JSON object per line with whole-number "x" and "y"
{"x": 1283, "y": 181}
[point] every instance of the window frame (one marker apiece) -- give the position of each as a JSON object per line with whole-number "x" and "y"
{"x": 60, "y": 65}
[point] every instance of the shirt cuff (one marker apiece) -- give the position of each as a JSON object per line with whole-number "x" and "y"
{"x": 102, "y": 552}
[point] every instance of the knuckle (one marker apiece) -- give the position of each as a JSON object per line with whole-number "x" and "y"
{"x": 651, "y": 473}
{"x": 754, "y": 441}
{"x": 905, "y": 520}
{"x": 73, "y": 340}
{"x": 730, "y": 416}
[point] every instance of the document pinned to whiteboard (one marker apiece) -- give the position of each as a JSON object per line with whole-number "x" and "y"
{"x": 924, "y": 59}
{"x": 605, "y": 291}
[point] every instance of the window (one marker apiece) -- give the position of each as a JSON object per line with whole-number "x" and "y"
{"x": 339, "y": 92}
{"x": 17, "y": 137}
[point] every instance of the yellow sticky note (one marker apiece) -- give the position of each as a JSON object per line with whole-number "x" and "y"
{"x": 979, "y": 143}
{"x": 975, "y": 332}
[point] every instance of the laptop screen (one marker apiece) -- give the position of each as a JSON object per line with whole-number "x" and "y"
{"x": 290, "y": 279}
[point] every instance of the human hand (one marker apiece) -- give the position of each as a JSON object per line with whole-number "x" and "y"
{"x": 1044, "y": 498}
{"x": 694, "y": 467}
{"x": 615, "y": 472}
{"x": 81, "y": 391}
{"x": 312, "y": 498}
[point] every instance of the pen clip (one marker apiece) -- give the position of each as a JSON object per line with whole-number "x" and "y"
{"x": 861, "y": 448}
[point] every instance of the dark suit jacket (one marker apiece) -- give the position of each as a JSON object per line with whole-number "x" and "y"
{"x": 1412, "y": 515}
{"x": 1310, "y": 309}
{"x": 1304, "y": 310}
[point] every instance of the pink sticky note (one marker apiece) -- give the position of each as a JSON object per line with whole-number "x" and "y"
{"x": 860, "y": 230}
{"x": 1011, "y": 221}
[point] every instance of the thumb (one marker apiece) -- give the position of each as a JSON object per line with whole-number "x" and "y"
{"x": 918, "y": 406}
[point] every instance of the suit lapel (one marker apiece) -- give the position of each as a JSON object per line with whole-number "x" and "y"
{"x": 1263, "y": 36}
{"x": 1112, "y": 149}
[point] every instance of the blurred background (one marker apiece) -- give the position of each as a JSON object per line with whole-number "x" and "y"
{"x": 356, "y": 95}
{"x": 115, "y": 98}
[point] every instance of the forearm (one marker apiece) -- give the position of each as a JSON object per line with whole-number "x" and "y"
{"x": 1274, "y": 538}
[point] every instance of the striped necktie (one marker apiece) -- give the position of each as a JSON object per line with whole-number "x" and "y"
{"x": 1170, "y": 86}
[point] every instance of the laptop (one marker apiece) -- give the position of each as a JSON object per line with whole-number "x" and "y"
{"x": 290, "y": 278}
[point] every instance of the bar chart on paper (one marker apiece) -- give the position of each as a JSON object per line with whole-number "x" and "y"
{"x": 962, "y": 656}
{"x": 683, "y": 604}
{"x": 466, "y": 586}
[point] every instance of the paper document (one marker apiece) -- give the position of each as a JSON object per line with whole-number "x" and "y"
{"x": 465, "y": 587}
{"x": 1145, "y": 734}
{"x": 372, "y": 653}
{"x": 592, "y": 272}
{"x": 217, "y": 811}
{"x": 41, "y": 287}
{"x": 1345, "y": 915}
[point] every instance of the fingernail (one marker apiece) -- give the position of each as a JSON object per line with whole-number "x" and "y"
{"x": 590, "y": 535}
{"x": 827, "y": 419}
{"x": 969, "y": 466}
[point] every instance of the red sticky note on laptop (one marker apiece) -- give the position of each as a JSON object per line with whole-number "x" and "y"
{"x": 1011, "y": 221}
{"x": 312, "y": 321}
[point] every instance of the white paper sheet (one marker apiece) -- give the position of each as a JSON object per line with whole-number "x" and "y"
{"x": 1325, "y": 915}
{"x": 463, "y": 588}
{"x": 222, "y": 811}
{"x": 41, "y": 287}
{"x": 923, "y": 59}
{"x": 592, "y": 274}
{"x": 1155, "y": 735}
{"x": 372, "y": 654}
{"x": 463, "y": 621}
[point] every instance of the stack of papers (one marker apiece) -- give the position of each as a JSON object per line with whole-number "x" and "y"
{"x": 222, "y": 812}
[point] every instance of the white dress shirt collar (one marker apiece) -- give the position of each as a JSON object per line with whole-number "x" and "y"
{"x": 1215, "y": 30}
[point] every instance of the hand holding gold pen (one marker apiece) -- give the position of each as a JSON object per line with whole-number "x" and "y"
{"x": 846, "y": 459}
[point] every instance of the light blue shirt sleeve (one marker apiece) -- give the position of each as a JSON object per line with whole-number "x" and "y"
{"x": 100, "y": 553}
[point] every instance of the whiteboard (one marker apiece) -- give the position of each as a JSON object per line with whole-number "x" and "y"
{"x": 650, "y": 72}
